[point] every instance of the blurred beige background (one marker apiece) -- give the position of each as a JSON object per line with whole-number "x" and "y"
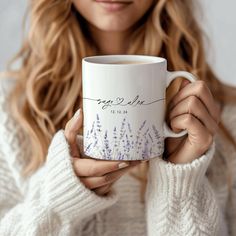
{"x": 218, "y": 22}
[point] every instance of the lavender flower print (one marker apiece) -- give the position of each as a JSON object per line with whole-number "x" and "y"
{"x": 123, "y": 143}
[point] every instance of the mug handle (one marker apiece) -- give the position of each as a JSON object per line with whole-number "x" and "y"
{"x": 170, "y": 77}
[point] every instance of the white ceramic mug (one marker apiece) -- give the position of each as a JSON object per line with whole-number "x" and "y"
{"x": 124, "y": 106}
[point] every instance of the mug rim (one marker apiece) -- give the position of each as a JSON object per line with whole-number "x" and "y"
{"x": 102, "y": 60}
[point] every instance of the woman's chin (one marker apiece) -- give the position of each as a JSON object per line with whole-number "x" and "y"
{"x": 110, "y": 26}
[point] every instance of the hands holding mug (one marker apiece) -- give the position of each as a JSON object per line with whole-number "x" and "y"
{"x": 97, "y": 175}
{"x": 193, "y": 108}
{"x": 124, "y": 110}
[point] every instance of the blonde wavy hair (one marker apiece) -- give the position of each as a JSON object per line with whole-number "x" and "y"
{"x": 48, "y": 88}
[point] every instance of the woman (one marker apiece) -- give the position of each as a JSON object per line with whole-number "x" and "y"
{"x": 48, "y": 189}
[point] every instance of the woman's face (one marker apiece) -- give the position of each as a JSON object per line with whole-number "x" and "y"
{"x": 112, "y": 15}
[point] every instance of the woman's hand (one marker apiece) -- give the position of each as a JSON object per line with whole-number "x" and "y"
{"x": 193, "y": 108}
{"x": 97, "y": 175}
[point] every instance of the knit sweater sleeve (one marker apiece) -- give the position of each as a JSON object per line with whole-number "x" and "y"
{"x": 180, "y": 200}
{"x": 229, "y": 117}
{"x": 52, "y": 199}
{"x": 231, "y": 211}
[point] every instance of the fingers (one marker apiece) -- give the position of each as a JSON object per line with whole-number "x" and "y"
{"x": 171, "y": 144}
{"x": 95, "y": 182}
{"x": 194, "y": 109}
{"x": 198, "y": 142}
{"x": 194, "y": 127}
{"x": 103, "y": 190}
{"x": 201, "y": 91}
{"x": 193, "y": 105}
{"x": 91, "y": 167}
{"x": 71, "y": 130}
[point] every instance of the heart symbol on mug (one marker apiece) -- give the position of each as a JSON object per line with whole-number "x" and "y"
{"x": 119, "y": 100}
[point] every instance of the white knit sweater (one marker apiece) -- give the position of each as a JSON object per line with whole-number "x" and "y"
{"x": 184, "y": 199}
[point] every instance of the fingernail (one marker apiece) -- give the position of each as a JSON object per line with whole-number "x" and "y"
{"x": 77, "y": 114}
{"x": 123, "y": 165}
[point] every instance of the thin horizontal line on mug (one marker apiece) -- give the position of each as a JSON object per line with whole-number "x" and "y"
{"x": 120, "y": 101}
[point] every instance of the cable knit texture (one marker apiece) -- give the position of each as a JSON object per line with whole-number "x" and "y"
{"x": 184, "y": 199}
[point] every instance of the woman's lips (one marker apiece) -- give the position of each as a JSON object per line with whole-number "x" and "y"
{"x": 113, "y": 6}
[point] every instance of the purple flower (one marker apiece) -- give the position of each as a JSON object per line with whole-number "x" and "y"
{"x": 92, "y": 130}
{"x": 150, "y": 136}
{"x": 98, "y": 124}
{"x": 120, "y": 157}
{"x": 95, "y": 143}
{"x": 88, "y": 148}
{"x": 145, "y": 152}
{"x": 129, "y": 128}
{"x": 143, "y": 124}
{"x": 107, "y": 146}
{"x": 122, "y": 130}
{"x": 145, "y": 134}
{"x": 156, "y": 133}
{"x": 147, "y": 141}
{"x": 87, "y": 134}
